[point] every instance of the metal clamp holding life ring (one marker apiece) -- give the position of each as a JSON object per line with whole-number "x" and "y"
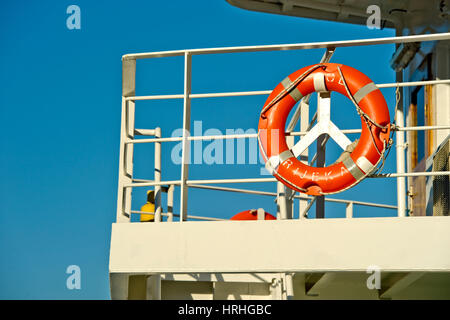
{"x": 354, "y": 165}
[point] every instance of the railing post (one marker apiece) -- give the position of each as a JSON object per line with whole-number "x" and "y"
{"x": 185, "y": 157}
{"x": 289, "y": 285}
{"x": 304, "y": 124}
{"x": 170, "y": 203}
{"x": 281, "y": 202}
{"x": 323, "y": 110}
{"x": 154, "y": 287}
{"x": 286, "y": 202}
{"x": 126, "y": 149}
{"x": 158, "y": 190}
{"x": 349, "y": 210}
{"x": 261, "y": 214}
{"x": 400, "y": 153}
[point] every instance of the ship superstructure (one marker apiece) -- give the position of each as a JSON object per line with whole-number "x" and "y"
{"x": 194, "y": 257}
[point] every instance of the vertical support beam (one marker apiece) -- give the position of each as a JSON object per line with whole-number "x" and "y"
{"x": 400, "y": 152}
{"x": 185, "y": 157}
{"x": 288, "y": 203}
{"x": 303, "y": 112}
{"x": 400, "y": 144}
{"x": 349, "y": 210}
{"x": 323, "y": 112}
{"x": 157, "y": 178}
{"x": 154, "y": 287}
{"x": 289, "y": 284}
{"x": 304, "y": 124}
{"x": 281, "y": 201}
{"x": 118, "y": 286}
{"x": 261, "y": 214}
{"x": 126, "y": 132}
{"x": 441, "y": 92}
{"x": 170, "y": 203}
{"x": 298, "y": 112}
{"x": 320, "y": 162}
{"x": 137, "y": 287}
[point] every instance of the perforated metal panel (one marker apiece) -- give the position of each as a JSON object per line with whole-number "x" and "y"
{"x": 441, "y": 186}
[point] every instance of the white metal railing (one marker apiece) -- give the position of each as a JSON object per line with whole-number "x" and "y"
{"x": 296, "y": 46}
{"x": 254, "y": 135}
{"x": 267, "y": 92}
{"x": 128, "y": 132}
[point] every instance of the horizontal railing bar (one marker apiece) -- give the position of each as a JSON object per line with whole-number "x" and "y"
{"x": 411, "y": 174}
{"x": 142, "y": 180}
{"x": 419, "y": 128}
{"x": 201, "y": 218}
{"x": 255, "y": 135}
{"x": 151, "y": 183}
{"x": 412, "y": 83}
{"x": 267, "y": 92}
{"x": 298, "y": 46}
{"x": 245, "y": 180}
{"x": 260, "y": 180}
{"x": 156, "y": 97}
{"x": 229, "y": 94}
{"x": 144, "y": 132}
{"x": 144, "y": 212}
{"x": 177, "y": 215}
{"x": 205, "y": 218}
{"x": 168, "y": 139}
{"x": 246, "y": 191}
{"x": 274, "y": 194}
{"x": 228, "y": 136}
{"x": 362, "y": 203}
{"x": 303, "y": 133}
{"x": 200, "y": 95}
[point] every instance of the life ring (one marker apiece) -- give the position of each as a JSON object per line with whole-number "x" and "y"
{"x": 252, "y": 215}
{"x": 357, "y": 163}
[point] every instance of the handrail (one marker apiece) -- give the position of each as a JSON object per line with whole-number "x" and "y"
{"x": 274, "y": 194}
{"x": 263, "y": 180}
{"x": 267, "y": 92}
{"x": 297, "y": 46}
{"x": 255, "y": 135}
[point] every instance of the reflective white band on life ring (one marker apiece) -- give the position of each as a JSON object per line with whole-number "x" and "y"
{"x": 319, "y": 82}
{"x": 364, "y": 164}
{"x": 364, "y": 91}
{"x": 352, "y": 168}
{"x": 294, "y": 92}
{"x": 274, "y": 161}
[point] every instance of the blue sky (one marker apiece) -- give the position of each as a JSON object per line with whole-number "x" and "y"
{"x": 60, "y": 113}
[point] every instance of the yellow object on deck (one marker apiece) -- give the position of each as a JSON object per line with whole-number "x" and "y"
{"x": 148, "y": 207}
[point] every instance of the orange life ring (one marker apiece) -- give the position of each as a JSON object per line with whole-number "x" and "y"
{"x": 358, "y": 163}
{"x": 252, "y": 215}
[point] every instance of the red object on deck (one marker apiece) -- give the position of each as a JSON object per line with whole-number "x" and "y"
{"x": 252, "y": 215}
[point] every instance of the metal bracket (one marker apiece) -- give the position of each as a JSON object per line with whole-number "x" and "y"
{"x": 323, "y": 126}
